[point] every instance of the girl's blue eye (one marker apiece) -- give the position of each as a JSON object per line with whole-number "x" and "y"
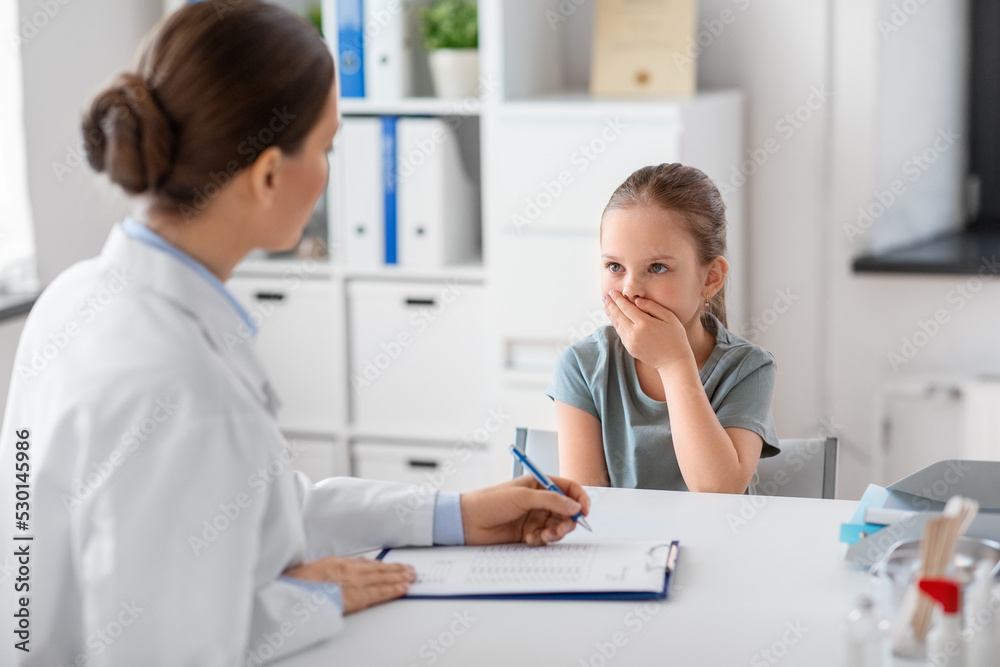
{"x": 657, "y": 268}
{"x": 614, "y": 267}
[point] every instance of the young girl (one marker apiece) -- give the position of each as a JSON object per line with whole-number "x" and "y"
{"x": 665, "y": 397}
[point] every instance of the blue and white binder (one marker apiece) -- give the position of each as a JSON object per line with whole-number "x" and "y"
{"x": 438, "y": 218}
{"x": 389, "y": 185}
{"x": 387, "y": 61}
{"x": 408, "y": 198}
{"x": 350, "y": 47}
{"x": 359, "y": 164}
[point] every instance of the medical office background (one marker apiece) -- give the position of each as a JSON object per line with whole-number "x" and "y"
{"x": 852, "y": 140}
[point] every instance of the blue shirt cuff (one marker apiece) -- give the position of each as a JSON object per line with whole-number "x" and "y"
{"x": 332, "y": 591}
{"x": 448, "y": 519}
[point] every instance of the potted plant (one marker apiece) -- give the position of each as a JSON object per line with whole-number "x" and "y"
{"x": 450, "y": 33}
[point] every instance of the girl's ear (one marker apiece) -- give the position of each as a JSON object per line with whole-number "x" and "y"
{"x": 718, "y": 269}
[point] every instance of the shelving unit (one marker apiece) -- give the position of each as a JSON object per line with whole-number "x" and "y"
{"x": 414, "y": 106}
{"x": 535, "y": 288}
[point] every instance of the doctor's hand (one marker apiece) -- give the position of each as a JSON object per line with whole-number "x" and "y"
{"x": 650, "y": 332}
{"x": 522, "y": 511}
{"x": 363, "y": 583}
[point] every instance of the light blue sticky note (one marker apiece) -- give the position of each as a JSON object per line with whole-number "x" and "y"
{"x": 874, "y": 496}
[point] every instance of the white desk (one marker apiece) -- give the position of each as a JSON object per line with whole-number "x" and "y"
{"x": 777, "y": 583}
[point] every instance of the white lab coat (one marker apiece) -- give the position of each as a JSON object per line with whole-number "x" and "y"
{"x": 163, "y": 504}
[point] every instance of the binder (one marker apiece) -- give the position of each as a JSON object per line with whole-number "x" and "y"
{"x": 407, "y": 198}
{"x": 359, "y": 159}
{"x": 350, "y": 47}
{"x": 387, "y": 56}
{"x": 438, "y": 202}
{"x": 444, "y": 572}
{"x": 389, "y": 184}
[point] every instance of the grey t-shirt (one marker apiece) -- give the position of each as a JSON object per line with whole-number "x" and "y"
{"x": 597, "y": 375}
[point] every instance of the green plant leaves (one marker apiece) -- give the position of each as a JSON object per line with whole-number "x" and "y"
{"x": 450, "y": 24}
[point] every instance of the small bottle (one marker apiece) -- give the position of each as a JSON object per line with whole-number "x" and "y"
{"x": 945, "y": 641}
{"x": 866, "y": 636}
{"x": 982, "y": 628}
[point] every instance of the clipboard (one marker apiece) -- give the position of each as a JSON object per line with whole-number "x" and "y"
{"x": 659, "y": 556}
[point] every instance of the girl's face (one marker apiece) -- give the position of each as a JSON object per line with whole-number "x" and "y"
{"x": 645, "y": 251}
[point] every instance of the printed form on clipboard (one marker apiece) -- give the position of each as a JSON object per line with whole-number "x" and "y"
{"x": 572, "y": 571}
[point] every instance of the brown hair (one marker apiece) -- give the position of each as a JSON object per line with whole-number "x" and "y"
{"x": 692, "y": 194}
{"x": 217, "y": 83}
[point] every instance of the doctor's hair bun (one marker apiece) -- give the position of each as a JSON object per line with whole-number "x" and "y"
{"x": 215, "y": 85}
{"x": 128, "y": 135}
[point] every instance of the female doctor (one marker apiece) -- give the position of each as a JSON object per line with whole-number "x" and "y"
{"x": 168, "y": 527}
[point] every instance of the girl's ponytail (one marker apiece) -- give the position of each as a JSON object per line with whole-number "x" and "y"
{"x": 717, "y": 307}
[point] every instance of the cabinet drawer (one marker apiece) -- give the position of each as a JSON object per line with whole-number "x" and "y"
{"x": 537, "y": 317}
{"x": 454, "y": 468}
{"x": 298, "y": 344}
{"x": 418, "y": 362}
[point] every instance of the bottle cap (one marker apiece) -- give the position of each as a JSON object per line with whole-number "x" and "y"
{"x": 865, "y": 602}
{"x": 944, "y": 591}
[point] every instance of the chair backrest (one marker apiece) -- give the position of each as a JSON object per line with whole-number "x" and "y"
{"x": 805, "y": 468}
{"x": 539, "y": 446}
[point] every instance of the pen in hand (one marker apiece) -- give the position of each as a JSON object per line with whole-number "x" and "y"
{"x": 545, "y": 481}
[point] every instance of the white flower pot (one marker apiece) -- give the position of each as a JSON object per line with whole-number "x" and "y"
{"x": 455, "y": 72}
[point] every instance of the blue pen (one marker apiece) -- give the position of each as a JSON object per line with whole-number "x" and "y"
{"x": 544, "y": 480}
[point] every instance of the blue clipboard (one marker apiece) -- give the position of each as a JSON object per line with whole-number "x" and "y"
{"x": 583, "y": 595}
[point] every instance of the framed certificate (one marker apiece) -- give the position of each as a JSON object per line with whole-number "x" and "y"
{"x": 642, "y": 47}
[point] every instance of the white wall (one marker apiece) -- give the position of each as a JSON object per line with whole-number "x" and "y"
{"x": 77, "y": 50}
{"x": 66, "y": 57}
{"x": 17, "y": 239}
{"x": 777, "y": 52}
{"x": 920, "y": 91}
{"x": 891, "y": 91}
{"x": 10, "y": 331}
{"x": 869, "y": 316}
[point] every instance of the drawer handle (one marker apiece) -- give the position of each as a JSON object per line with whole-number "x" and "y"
{"x": 419, "y": 302}
{"x": 419, "y": 463}
{"x": 270, "y": 296}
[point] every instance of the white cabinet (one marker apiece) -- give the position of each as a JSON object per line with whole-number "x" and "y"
{"x": 389, "y": 362}
{"x": 919, "y": 426}
{"x": 547, "y": 287}
{"x": 543, "y": 215}
{"x": 416, "y": 361}
{"x": 921, "y": 420}
{"x": 587, "y": 154}
{"x": 320, "y": 458}
{"x": 299, "y": 344}
{"x": 454, "y": 468}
